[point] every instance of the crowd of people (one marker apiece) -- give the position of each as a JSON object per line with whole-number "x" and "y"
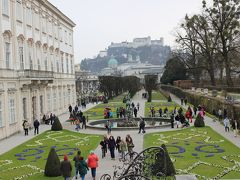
{"x": 77, "y": 117}
{"x": 81, "y": 166}
{"x": 121, "y": 145}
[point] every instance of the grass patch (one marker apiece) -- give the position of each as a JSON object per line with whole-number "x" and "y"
{"x": 157, "y": 95}
{"x": 97, "y": 112}
{"x": 187, "y": 147}
{"x": 30, "y": 157}
{"x": 157, "y": 105}
{"x": 118, "y": 98}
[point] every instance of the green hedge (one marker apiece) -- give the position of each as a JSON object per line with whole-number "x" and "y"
{"x": 210, "y": 103}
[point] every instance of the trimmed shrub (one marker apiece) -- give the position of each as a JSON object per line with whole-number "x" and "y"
{"x": 199, "y": 122}
{"x": 56, "y": 126}
{"x": 52, "y": 167}
{"x": 170, "y": 171}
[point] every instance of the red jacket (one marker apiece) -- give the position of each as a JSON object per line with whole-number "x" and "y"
{"x": 93, "y": 161}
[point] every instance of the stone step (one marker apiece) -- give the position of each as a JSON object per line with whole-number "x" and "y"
{"x": 185, "y": 177}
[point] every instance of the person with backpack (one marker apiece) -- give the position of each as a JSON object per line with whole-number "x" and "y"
{"x": 25, "y": 127}
{"x": 83, "y": 168}
{"x": 76, "y": 159}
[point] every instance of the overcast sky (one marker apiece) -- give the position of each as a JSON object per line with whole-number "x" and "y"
{"x": 100, "y": 22}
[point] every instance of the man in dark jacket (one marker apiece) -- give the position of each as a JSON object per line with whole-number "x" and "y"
{"x": 135, "y": 111}
{"x": 70, "y": 109}
{"x": 141, "y": 126}
{"x": 66, "y": 168}
{"x": 36, "y": 125}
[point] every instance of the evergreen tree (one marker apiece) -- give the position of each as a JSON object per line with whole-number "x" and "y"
{"x": 57, "y": 126}
{"x": 199, "y": 122}
{"x": 52, "y": 167}
{"x": 170, "y": 171}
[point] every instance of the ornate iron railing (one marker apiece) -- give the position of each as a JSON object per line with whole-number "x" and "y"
{"x": 146, "y": 165}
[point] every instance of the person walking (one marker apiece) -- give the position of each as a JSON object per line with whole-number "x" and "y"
{"x": 219, "y": 114}
{"x": 76, "y": 108}
{"x": 104, "y": 144}
{"x": 83, "y": 168}
{"x": 77, "y": 123}
{"x": 141, "y": 126}
{"x": 70, "y": 108}
{"x": 51, "y": 118}
{"x": 118, "y": 140}
{"x": 135, "y": 111}
{"x": 84, "y": 122}
{"x": 66, "y": 168}
{"x": 226, "y": 124}
{"x": 109, "y": 127}
{"x": 25, "y": 127}
{"x": 138, "y": 106}
{"x": 36, "y": 125}
{"x": 76, "y": 160}
{"x": 160, "y": 112}
{"x": 123, "y": 148}
{"x": 112, "y": 146}
{"x": 235, "y": 126}
{"x": 93, "y": 164}
{"x": 130, "y": 144}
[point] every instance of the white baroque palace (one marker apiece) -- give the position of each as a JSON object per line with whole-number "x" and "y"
{"x": 36, "y": 63}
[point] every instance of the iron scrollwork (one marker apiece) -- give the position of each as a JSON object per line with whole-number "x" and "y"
{"x": 148, "y": 164}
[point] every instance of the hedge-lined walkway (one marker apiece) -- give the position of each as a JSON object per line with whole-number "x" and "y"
{"x": 216, "y": 125}
{"x": 106, "y": 165}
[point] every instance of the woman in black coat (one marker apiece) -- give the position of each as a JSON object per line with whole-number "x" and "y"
{"x": 112, "y": 146}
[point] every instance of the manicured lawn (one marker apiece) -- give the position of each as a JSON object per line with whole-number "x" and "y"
{"x": 30, "y": 157}
{"x": 96, "y": 112}
{"x": 157, "y": 95}
{"x": 157, "y": 105}
{"x": 200, "y": 151}
{"x": 118, "y": 98}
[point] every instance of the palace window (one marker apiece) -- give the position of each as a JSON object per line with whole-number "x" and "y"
{"x": 21, "y": 60}
{"x": 30, "y": 58}
{"x": 24, "y": 108}
{"x": 11, "y": 111}
{"x": 62, "y": 64}
{"x": 5, "y": 7}
{"x": 67, "y": 64}
{"x": 60, "y": 99}
{"x": 46, "y": 63}
{"x": 7, "y": 54}
{"x": 19, "y": 10}
{"x": 1, "y": 115}
{"x": 29, "y": 16}
{"x": 55, "y": 101}
{"x": 39, "y": 65}
{"x": 49, "y": 101}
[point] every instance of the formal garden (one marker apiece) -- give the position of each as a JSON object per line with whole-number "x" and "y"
{"x": 161, "y": 104}
{"x": 28, "y": 160}
{"x": 199, "y": 151}
{"x": 97, "y": 112}
{"x": 158, "y": 96}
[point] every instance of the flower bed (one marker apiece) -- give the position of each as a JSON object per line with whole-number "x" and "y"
{"x": 194, "y": 150}
{"x": 27, "y": 161}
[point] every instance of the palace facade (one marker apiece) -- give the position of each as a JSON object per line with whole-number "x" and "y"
{"x": 36, "y": 63}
